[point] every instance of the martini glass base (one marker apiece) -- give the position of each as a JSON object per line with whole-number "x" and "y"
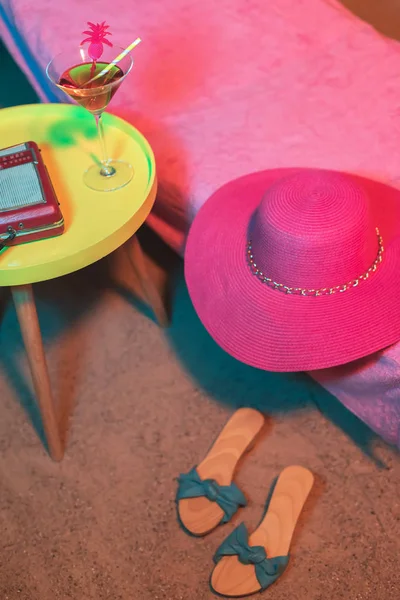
{"x": 121, "y": 174}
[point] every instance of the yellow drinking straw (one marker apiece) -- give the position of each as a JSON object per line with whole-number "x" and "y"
{"x": 115, "y": 61}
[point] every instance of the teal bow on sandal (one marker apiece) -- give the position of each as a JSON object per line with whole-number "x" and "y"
{"x": 249, "y": 564}
{"x": 228, "y": 497}
{"x": 207, "y": 496}
{"x": 267, "y": 570}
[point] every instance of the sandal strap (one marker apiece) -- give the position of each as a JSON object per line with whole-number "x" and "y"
{"x": 228, "y": 497}
{"x": 237, "y": 544}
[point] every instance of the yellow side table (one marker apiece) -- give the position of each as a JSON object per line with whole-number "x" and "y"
{"x": 96, "y": 223}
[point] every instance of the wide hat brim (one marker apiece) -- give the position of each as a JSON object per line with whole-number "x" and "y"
{"x": 271, "y": 330}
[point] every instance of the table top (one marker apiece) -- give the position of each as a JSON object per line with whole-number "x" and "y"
{"x": 96, "y": 223}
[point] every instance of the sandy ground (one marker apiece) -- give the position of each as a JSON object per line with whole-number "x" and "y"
{"x": 146, "y": 404}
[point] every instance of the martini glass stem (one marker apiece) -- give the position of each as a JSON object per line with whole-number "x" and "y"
{"x": 105, "y": 170}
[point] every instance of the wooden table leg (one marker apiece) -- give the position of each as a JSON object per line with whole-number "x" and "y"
{"x": 150, "y": 291}
{"x": 28, "y": 320}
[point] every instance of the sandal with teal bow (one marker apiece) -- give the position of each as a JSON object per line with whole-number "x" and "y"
{"x": 206, "y": 496}
{"x": 249, "y": 564}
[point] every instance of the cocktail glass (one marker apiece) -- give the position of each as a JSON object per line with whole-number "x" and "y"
{"x": 70, "y": 71}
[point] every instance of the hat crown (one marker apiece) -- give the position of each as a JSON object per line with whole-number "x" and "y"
{"x": 313, "y": 230}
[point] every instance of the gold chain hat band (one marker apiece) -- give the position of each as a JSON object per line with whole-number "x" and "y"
{"x": 311, "y": 292}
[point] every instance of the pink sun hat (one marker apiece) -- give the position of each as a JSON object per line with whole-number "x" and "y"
{"x": 297, "y": 269}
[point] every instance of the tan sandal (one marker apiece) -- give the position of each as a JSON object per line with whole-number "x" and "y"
{"x": 249, "y": 564}
{"x": 206, "y": 496}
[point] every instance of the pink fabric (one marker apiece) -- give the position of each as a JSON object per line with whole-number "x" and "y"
{"x": 370, "y": 388}
{"x": 228, "y": 87}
